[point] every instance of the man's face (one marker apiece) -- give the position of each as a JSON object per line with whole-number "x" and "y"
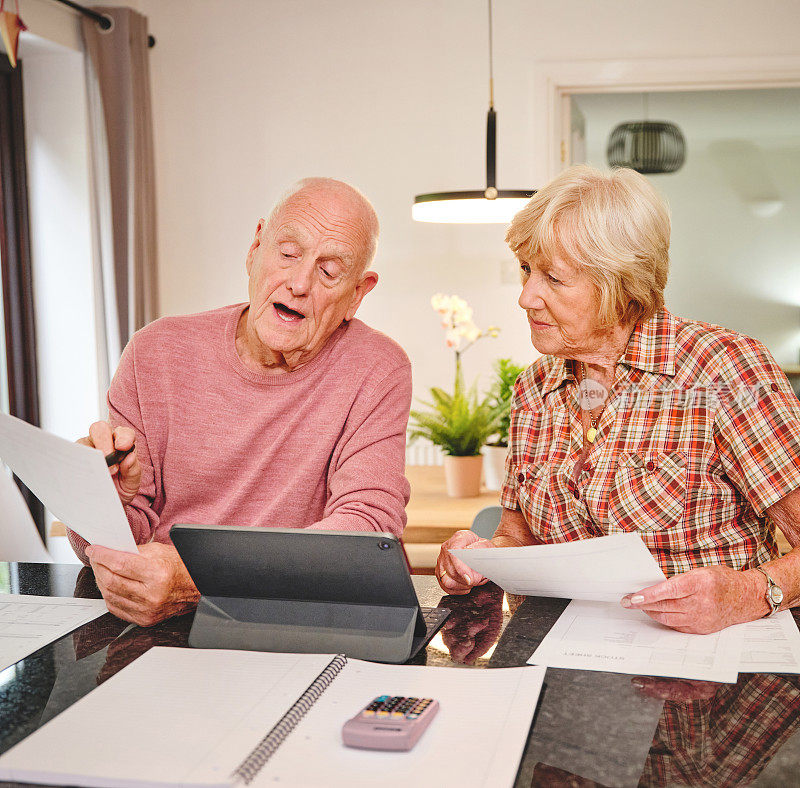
{"x": 306, "y": 276}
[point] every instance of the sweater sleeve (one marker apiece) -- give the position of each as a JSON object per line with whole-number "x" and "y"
{"x": 367, "y": 488}
{"x": 124, "y": 410}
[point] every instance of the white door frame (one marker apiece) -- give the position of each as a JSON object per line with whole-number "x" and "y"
{"x": 556, "y": 81}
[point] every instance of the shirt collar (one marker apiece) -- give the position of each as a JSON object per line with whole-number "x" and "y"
{"x": 562, "y": 369}
{"x": 651, "y": 346}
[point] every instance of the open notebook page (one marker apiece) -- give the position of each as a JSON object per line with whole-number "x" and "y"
{"x": 476, "y": 739}
{"x": 173, "y": 716}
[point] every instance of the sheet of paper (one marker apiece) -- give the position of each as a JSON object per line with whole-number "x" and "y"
{"x": 19, "y": 539}
{"x": 771, "y": 645}
{"x": 203, "y": 736}
{"x": 29, "y": 622}
{"x": 71, "y": 480}
{"x": 476, "y": 739}
{"x": 602, "y": 569}
{"x": 605, "y": 636}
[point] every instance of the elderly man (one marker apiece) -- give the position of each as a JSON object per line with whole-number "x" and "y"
{"x": 284, "y": 411}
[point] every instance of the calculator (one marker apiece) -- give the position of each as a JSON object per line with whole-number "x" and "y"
{"x": 390, "y": 722}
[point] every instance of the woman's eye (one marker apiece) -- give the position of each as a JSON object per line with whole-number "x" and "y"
{"x": 327, "y": 274}
{"x": 553, "y": 280}
{"x": 525, "y": 268}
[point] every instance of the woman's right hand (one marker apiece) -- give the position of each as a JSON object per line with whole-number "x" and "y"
{"x": 126, "y": 475}
{"x": 454, "y": 576}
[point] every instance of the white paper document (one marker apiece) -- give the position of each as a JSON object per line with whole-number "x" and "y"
{"x": 771, "y": 645}
{"x": 206, "y": 710}
{"x": 71, "y": 480}
{"x": 19, "y": 539}
{"x": 602, "y": 569}
{"x": 604, "y": 636}
{"x": 29, "y": 622}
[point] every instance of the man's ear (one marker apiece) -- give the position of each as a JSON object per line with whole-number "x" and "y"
{"x": 368, "y": 280}
{"x": 251, "y": 252}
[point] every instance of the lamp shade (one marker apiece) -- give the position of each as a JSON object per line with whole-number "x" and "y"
{"x": 469, "y": 207}
{"x": 647, "y": 146}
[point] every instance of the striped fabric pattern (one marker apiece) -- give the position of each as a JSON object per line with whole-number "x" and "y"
{"x": 700, "y": 436}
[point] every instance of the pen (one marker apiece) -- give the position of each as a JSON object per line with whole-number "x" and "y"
{"x": 117, "y": 456}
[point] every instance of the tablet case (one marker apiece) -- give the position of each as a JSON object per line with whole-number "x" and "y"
{"x": 275, "y": 589}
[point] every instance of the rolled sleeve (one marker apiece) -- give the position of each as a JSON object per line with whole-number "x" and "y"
{"x": 757, "y": 429}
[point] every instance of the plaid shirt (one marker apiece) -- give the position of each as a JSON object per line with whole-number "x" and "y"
{"x": 727, "y": 740}
{"x": 700, "y": 435}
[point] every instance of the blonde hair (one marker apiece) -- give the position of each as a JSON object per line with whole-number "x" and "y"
{"x": 614, "y": 226}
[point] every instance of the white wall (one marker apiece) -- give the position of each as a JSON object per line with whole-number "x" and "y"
{"x": 250, "y": 95}
{"x": 729, "y": 264}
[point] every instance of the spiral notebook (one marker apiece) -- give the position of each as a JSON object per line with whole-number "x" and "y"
{"x": 196, "y": 717}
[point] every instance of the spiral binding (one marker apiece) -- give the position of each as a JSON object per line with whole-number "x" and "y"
{"x": 265, "y": 749}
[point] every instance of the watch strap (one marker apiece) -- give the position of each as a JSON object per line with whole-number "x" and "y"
{"x": 773, "y": 605}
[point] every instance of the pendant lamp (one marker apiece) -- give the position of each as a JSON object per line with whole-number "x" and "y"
{"x": 480, "y": 206}
{"x": 652, "y": 147}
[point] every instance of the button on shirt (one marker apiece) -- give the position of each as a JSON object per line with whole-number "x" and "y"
{"x": 699, "y": 436}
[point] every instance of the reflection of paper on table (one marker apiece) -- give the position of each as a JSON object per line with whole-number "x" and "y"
{"x": 602, "y": 569}
{"x": 771, "y": 645}
{"x": 71, "y": 480}
{"x": 29, "y": 622}
{"x": 603, "y": 636}
{"x": 19, "y": 539}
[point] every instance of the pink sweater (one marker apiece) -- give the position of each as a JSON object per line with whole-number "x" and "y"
{"x": 219, "y": 443}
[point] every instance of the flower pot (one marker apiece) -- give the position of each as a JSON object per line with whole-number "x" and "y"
{"x": 463, "y": 476}
{"x": 494, "y": 466}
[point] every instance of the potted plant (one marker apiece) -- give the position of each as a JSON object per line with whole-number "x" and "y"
{"x": 501, "y": 393}
{"x": 459, "y": 423}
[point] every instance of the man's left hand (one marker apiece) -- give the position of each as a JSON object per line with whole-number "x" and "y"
{"x": 144, "y": 588}
{"x": 703, "y": 600}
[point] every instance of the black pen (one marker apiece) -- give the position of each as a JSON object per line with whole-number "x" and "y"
{"x": 118, "y": 455}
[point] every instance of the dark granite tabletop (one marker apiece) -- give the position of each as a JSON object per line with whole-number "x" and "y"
{"x": 590, "y": 728}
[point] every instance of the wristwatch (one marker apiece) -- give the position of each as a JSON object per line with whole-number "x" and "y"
{"x": 773, "y": 595}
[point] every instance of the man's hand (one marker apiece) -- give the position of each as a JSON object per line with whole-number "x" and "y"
{"x": 144, "y": 588}
{"x": 454, "y": 576}
{"x": 127, "y": 475}
{"x": 703, "y": 600}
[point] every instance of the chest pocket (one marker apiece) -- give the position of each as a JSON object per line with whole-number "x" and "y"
{"x": 648, "y": 492}
{"x": 533, "y": 495}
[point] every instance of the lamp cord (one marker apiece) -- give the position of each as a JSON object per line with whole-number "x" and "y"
{"x": 491, "y": 70}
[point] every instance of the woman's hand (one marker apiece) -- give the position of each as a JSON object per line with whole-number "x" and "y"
{"x": 703, "y": 600}
{"x": 454, "y": 576}
{"x": 474, "y": 623}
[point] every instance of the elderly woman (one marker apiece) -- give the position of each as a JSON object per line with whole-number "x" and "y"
{"x": 635, "y": 420}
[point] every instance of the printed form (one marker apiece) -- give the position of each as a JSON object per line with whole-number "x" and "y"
{"x": 19, "y": 539}
{"x": 602, "y": 636}
{"x": 71, "y": 480}
{"x": 27, "y": 623}
{"x": 771, "y": 645}
{"x": 602, "y": 569}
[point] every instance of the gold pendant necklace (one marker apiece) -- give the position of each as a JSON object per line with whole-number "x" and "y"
{"x": 591, "y": 433}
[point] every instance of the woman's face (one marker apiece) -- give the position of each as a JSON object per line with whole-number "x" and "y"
{"x": 561, "y": 303}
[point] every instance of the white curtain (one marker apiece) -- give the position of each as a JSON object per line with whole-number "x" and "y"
{"x": 123, "y": 181}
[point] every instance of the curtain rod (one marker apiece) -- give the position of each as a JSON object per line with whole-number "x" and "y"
{"x": 102, "y": 20}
